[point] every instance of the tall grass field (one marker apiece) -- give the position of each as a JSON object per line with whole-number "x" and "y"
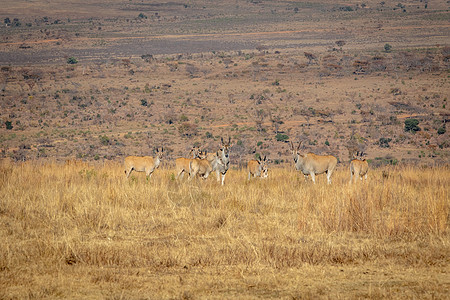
{"x": 81, "y": 231}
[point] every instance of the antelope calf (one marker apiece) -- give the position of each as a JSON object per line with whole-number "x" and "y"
{"x": 312, "y": 164}
{"x": 257, "y": 168}
{"x": 358, "y": 167}
{"x": 147, "y": 164}
{"x": 182, "y": 164}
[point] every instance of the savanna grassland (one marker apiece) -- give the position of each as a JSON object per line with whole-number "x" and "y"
{"x": 77, "y": 230}
{"x": 85, "y": 84}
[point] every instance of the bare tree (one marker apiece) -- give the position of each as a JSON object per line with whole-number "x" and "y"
{"x": 276, "y": 122}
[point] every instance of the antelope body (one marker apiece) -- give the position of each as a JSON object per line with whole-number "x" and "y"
{"x": 201, "y": 167}
{"x": 147, "y": 164}
{"x": 312, "y": 164}
{"x": 182, "y": 164}
{"x": 358, "y": 168}
{"x": 257, "y": 168}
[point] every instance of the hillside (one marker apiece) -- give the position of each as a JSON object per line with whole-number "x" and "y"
{"x": 135, "y": 76}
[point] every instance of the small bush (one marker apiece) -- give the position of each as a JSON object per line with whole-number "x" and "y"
{"x": 411, "y": 125}
{"x": 282, "y": 137}
{"x": 104, "y": 140}
{"x": 8, "y": 125}
{"x": 72, "y": 60}
{"x": 187, "y": 129}
{"x": 441, "y": 130}
{"x": 387, "y": 48}
{"x": 384, "y": 142}
{"x": 184, "y": 118}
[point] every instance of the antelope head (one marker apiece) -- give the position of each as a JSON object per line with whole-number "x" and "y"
{"x": 202, "y": 154}
{"x": 195, "y": 151}
{"x": 225, "y": 149}
{"x": 359, "y": 155}
{"x": 159, "y": 153}
{"x": 264, "y": 168}
{"x": 295, "y": 151}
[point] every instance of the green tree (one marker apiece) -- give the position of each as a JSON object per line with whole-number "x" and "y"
{"x": 411, "y": 125}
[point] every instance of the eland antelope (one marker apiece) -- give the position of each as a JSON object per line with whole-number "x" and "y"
{"x": 147, "y": 164}
{"x": 221, "y": 165}
{"x": 358, "y": 167}
{"x": 182, "y": 164}
{"x": 257, "y": 168}
{"x": 312, "y": 164}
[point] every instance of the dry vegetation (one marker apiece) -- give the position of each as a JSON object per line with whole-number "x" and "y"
{"x": 77, "y": 230}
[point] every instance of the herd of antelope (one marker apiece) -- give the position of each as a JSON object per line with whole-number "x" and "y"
{"x": 203, "y": 163}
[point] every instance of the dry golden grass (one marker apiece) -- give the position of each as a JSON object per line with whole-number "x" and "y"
{"x": 85, "y": 231}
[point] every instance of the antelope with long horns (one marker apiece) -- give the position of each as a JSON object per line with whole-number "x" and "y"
{"x": 257, "y": 168}
{"x": 358, "y": 167}
{"x": 223, "y": 154}
{"x": 312, "y": 164}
